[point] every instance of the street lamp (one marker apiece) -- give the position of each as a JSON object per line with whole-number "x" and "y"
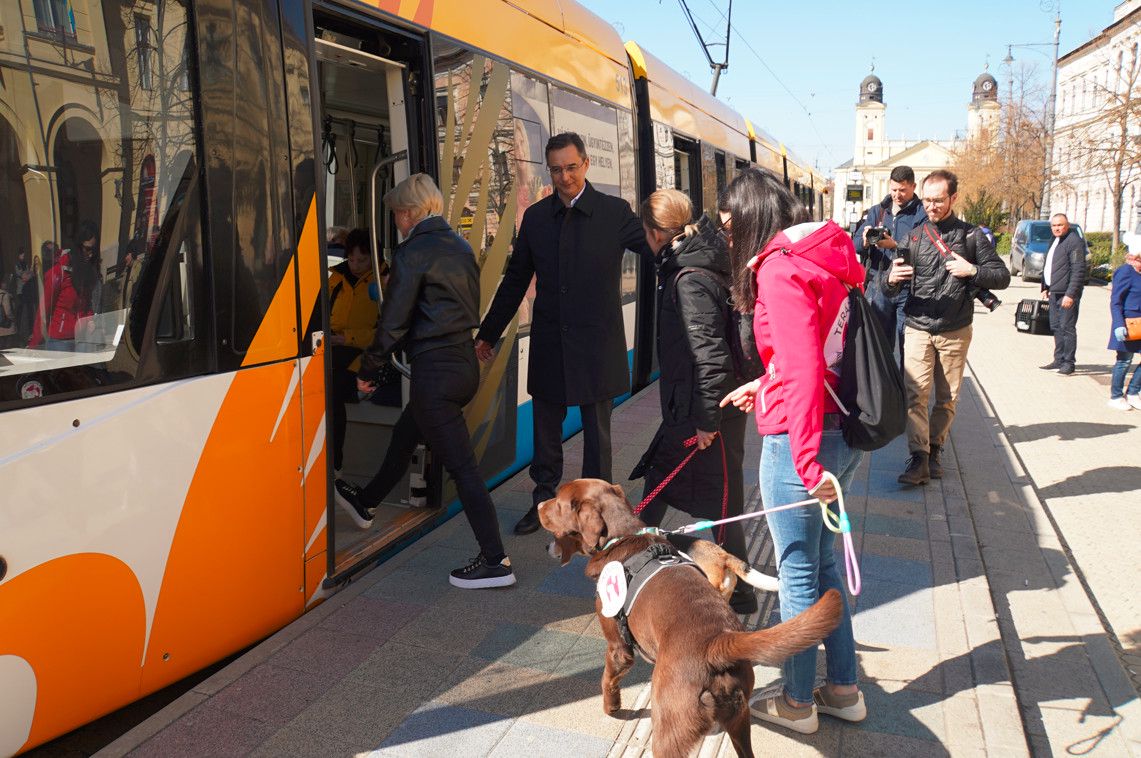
{"x": 1044, "y": 211}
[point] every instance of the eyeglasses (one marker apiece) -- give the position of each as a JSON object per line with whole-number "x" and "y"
{"x": 560, "y": 170}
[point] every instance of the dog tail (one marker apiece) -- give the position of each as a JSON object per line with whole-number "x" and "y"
{"x": 761, "y": 581}
{"x": 771, "y": 646}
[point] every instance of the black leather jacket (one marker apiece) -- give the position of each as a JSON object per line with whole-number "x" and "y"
{"x": 432, "y": 299}
{"x": 940, "y": 302}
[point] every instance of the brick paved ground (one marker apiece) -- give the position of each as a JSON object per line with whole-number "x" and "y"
{"x": 401, "y": 664}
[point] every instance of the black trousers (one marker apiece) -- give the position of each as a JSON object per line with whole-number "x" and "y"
{"x": 444, "y": 380}
{"x": 732, "y": 436}
{"x": 1064, "y": 322}
{"x": 547, "y": 463}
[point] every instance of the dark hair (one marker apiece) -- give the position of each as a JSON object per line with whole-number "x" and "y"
{"x": 566, "y": 139}
{"x": 84, "y": 273}
{"x": 760, "y": 206}
{"x": 902, "y": 174}
{"x": 943, "y": 175}
{"x": 358, "y": 238}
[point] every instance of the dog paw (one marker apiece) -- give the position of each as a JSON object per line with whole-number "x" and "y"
{"x": 611, "y": 702}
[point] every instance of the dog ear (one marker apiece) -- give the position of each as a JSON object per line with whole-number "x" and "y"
{"x": 590, "y": 525}
{"x": 617, "y": 489}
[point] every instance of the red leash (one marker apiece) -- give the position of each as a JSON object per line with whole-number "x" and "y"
{"x": 692, "y": 442}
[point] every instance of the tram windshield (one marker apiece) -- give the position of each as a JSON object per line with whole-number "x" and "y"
{"x": 98, "y": 161}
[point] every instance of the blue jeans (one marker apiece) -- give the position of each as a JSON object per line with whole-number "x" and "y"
{"x": 889, "y": 312}
{"x": 1120, "y": 369}
{"x": 805, "y": 556}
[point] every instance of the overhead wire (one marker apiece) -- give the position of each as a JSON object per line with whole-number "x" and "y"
{"x": 779, "y": 81}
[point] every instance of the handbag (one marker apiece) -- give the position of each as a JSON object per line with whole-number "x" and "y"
{"x": 1133, "y": 328}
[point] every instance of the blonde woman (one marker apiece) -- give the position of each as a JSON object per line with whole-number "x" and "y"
{"x": 698, "y": 369}
{"x": 430, "y": 308}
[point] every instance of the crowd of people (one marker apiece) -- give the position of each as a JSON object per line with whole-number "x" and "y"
{"x": 751, "y": 311}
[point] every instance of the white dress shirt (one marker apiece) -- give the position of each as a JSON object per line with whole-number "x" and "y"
{"x": 1050, "y": 261}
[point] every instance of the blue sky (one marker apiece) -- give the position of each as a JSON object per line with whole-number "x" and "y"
{"x": 927, "y": 55}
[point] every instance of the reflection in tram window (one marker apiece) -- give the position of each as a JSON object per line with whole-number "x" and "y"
{"x": 97, "y": 152}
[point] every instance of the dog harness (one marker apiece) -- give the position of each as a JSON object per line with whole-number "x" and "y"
{"x": 639, "y": 569}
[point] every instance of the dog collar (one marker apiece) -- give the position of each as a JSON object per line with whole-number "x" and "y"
{"x": 615, "y": 540}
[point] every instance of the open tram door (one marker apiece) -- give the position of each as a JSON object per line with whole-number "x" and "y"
{"x": 371, "y": 135}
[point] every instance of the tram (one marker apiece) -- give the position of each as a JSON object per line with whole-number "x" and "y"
{"x": 165, "y": 477}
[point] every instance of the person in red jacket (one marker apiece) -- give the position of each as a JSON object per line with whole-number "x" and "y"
{"x": 795, "y": 278}
{"x": 69, "y": 290}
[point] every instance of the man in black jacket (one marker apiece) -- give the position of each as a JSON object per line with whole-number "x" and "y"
{"x": 572, "y": 243}
{"x": 945, "y": 260}
{"x": 1063, "y": 279}
{"x": 900, "y": 212}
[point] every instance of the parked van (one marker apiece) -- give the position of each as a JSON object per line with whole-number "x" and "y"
{"x": 1032, "y": 240}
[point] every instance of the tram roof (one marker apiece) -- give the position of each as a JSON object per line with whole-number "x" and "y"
{"x": 546, "y": 36}
{"x": 677, "y": 101}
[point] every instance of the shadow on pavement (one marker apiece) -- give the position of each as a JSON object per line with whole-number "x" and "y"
{"x": 1064, "y": 431}
{"x": 1108, "y": 479}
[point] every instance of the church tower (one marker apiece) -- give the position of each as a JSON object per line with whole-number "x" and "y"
{"x": 871, "y": 142}
{"x": 983, "y": 112}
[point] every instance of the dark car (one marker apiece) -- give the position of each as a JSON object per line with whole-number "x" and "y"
{"x": 1032, "y": 240}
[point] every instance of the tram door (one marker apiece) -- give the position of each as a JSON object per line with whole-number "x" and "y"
{"x": 364, "y": 151}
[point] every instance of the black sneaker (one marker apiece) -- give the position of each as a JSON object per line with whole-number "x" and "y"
{"x": 1051, "y": 366}
{"x": 480, "y": 574}
{"x": 348, "y": 496}
{"x": 1066, "y": 369}
{"x": 744, "y": 599}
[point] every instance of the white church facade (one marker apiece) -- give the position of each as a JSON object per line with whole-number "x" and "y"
{"x": 862, "y": 181}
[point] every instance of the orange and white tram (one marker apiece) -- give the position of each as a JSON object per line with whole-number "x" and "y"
{"x": 165, "y": 482}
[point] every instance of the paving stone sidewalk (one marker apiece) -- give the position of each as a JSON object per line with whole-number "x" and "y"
{"x": 401, "y": 664}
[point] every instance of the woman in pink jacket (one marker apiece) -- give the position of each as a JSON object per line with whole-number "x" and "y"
{"x": 794, "y": 277}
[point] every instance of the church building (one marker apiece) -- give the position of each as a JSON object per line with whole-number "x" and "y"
{"x": 862, "y": 181}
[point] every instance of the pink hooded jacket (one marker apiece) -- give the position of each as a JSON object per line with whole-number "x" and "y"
{"x": 799, "y": 322}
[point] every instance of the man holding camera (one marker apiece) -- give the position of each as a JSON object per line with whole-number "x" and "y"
{"x": 944, "y": 260}
{"x": 892, "y": 219}
{"x": 1063, "y": 279}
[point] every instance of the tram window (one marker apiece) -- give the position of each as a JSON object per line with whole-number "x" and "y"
{"x": 102, "y": 230}
{"x": 687, "y": 170}
{"x": 722, "y": 172}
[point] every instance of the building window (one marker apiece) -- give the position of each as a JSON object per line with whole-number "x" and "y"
{"x": 871, "y": 134}
{"x": 143, "y": 51}
{"x": 55, "y": 17}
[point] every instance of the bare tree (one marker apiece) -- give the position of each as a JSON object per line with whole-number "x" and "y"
{"x": 1107, "y": 141}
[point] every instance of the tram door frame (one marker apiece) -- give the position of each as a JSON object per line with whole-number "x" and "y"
{"x": 409, "y": 57}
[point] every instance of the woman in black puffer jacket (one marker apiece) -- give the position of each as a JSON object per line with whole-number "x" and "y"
{"x": 697, "y": 370}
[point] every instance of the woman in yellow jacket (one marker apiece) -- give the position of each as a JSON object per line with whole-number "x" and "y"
{"x": 352, "y": 322}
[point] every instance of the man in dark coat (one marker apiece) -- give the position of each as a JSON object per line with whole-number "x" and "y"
{"x": 1063, "y": 279}
{"x": 572, "y": 244}
{"x": 900, "y": 213}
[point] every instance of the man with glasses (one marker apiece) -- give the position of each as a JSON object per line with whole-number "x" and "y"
{"x": 944, "y": 260}
{"x": 571, "y": 243}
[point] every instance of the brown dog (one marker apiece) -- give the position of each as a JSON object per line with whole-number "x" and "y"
{"x": 703, "y": 657}
{"x": 722, "y": 569}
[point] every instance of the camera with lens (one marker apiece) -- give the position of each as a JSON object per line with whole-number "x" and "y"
{"x": 988, "y": 299}
{"x": 877, "y": 234}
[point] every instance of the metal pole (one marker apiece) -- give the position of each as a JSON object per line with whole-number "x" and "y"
{"x": 1045, "y": 211}
{"x": 716, "y": 78}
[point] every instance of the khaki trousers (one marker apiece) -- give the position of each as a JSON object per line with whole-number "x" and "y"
{"x": 939, "y": 359}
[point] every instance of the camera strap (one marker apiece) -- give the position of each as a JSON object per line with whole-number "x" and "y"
{"x": 937, "y": 241}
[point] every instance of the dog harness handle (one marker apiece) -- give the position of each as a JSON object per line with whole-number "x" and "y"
{"x": 692, "y": 442}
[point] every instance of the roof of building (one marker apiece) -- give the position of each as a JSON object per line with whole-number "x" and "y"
{"x": 871, "y": 89}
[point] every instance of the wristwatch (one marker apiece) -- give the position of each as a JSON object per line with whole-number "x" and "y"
{"x": 974, "y": 270}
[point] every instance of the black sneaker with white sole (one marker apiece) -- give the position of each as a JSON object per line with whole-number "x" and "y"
{"x": 348, "y": 496}
{"x": 479, "y": 574}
